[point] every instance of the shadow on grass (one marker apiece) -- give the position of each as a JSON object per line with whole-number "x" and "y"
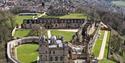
{"x": 34, "y": 62}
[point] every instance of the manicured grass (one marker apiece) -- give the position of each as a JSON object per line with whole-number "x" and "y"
{"x": 19, "y": 19}
{"x": 67, "y": 35}
{"x": 74, "y": 16}
{"x": 69, "y": 16}
{"x": 22, "y": 33}
{"x": 105, "y": 60}
{"x": 96, "y": 49}
{"x": 27, "y": 53}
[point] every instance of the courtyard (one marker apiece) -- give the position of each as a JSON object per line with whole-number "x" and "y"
{"x": 27, "y": 53}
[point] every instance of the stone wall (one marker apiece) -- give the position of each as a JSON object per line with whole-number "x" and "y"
{"x": 14, "y": 43}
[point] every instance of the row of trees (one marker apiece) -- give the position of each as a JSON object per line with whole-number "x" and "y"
{"x": 6, "y": 25}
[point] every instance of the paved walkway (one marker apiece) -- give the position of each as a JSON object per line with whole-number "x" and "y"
{"x": 49, "y": 33}
{"x": 68, "y": 30}
{"x": 39, "y": 15}
{"x": 13, "y": 32}
{"x": 102, "y": 50}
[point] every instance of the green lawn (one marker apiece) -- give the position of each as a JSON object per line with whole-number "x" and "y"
{"x": 27, "y": 53}
{"x": 67, "y": 35}
{"x": 74, "y": 16}
{"x": 19, "y": 19}
{"x": 22, "y": 33}
{"x": 69, "y": 16}
{"x": 105, "y": 60}
{"x": 96, "y": 49}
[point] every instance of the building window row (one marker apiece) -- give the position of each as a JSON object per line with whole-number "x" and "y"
{"x": 54, "y": 21}
{"x": 51, "y": 52}
{"x": 56, "y": 58}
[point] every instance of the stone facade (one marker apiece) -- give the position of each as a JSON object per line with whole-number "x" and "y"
{"x": 55, "y": 50}
{"x": 54, "y": 23}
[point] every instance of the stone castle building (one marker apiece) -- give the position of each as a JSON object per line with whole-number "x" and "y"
{"x": 55, "y": 50}
{"x": 54, "y": 23}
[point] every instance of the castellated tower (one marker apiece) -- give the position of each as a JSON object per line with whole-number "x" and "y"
{"x": 53, "y": 50}
{"x": 43, "y": 50}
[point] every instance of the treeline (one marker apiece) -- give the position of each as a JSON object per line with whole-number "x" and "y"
{"x": 7, "y": 23}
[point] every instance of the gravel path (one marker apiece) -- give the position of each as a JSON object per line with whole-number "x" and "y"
{"x": 102, "y": 50}
{"x": 49, "y": 33}
{"x": 13, "y": 32}
{"x": 68, "y": 30}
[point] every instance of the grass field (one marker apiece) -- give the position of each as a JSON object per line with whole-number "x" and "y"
{"x": 67, "y": 35}
{"x": 96, "y": 49}
{"x": 22, "y": 33}
{"x": 27, "y": 53}
{"x": 69, "y": 16}
{"x": 19, "y": 19}
{"x": 74, "y": 16}
{"x": 105, "y": 60}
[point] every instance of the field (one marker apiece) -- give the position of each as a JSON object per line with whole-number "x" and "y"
{"x": 19, "y": 19}
{"x": 67, "y": 35}
{"x": 27, "y": 53}
{"x": 69, "y": 16}
{"x": 22, "y": 33}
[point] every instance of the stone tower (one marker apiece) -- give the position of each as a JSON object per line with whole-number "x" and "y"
{"x": 43, "y": 50}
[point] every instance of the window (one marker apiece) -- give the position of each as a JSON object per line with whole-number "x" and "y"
{"x": 61, "y": 58}
{"x": 56, "y": 58}
{"x": 49, "y": 52}
{"x": 53, "y": 52}
{"x": 51, "y": 58}
{"x": 46, "y": 51}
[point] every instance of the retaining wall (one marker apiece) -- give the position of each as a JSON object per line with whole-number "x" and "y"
{"x": 14, "y": 43}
